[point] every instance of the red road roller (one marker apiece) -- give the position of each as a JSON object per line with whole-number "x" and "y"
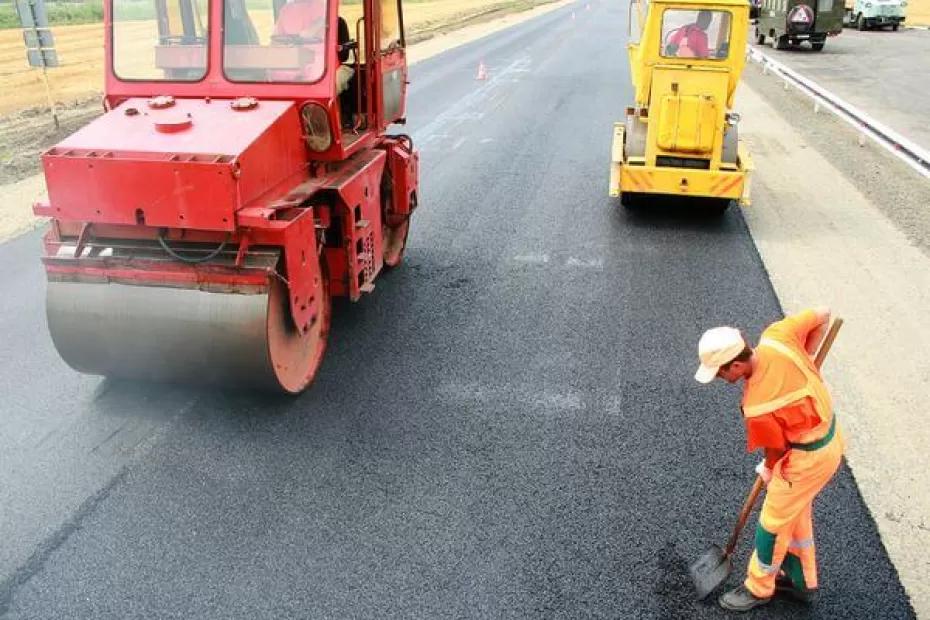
{"x": 241, "y": 176}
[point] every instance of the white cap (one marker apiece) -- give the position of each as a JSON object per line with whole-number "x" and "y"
{"x": 718, "y": 346}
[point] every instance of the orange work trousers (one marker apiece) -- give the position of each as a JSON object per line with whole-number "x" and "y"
{"x": 785, "y": 534}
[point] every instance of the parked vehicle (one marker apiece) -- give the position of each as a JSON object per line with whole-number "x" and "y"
{"x": 789, "y": 22}
{"x": 868, "y": 14}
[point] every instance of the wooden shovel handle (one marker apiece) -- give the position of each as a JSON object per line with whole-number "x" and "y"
{"x": 744, "y": 515}
{"x": 828, "y": 341}
{"x": 759, "y": 483}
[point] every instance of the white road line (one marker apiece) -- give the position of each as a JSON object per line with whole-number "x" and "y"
{"x": 482, "y": 394}
{"x": 536, "y": 259}
{"x": 473, "y": 106}
{"x": 585, "y": 263}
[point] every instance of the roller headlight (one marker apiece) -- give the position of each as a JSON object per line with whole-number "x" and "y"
{"x": 319, "y": 136}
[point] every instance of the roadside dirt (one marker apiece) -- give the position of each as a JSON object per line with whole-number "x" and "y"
{"x": 24, "y": 135}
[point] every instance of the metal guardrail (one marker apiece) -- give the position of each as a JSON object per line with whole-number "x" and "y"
{"x": 907, "y": 151}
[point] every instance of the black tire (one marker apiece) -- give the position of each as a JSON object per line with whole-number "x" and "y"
{"x": 894, "y": 27}
{"x": 717, "y": 207}
{"x": 781, "y": 43}
{"x": 760, "y": 37}
{"x": 630, "y": 201}
{"x": 818, "y": 46}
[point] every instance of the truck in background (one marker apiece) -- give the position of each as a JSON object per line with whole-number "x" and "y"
{"x": 869, "y": 14}
{"x": 790, "y": 22}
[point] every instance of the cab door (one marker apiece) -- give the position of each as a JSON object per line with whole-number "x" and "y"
{"x": 392, "y": 62}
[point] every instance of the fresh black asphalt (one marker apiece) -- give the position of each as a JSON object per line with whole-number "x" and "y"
{"x": 507, "y": 428}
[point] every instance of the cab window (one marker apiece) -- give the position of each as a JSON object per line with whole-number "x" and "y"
{"x": 695, "y": 34}
{"x": 351, "y": 14}
{"x": 637, "y": 9}
{"x": 390, "y": 24}
{"x": 162, "y": 40}
{"x": 267, "y": 41}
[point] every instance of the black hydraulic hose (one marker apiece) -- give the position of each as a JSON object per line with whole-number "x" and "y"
{"x": 189, "y": 259}
{"x": 409, "y": 140}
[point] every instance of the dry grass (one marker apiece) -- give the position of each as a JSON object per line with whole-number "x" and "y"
{"x": 918, "y": 12}
{"x": 80, "y": 51}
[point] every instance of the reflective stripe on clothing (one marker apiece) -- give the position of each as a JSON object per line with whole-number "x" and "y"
{"x": 817, "y": 445}
{"x": 785, "y": 400}
{"x": 782, "y": 401}
{"x": 814, "y": 388}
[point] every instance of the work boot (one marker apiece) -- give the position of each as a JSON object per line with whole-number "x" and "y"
{"x": 741, "y": 599}
{"x": 785, "y": 586}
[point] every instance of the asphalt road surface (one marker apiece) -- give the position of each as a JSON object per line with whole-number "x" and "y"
{"x": 507, "y": 428}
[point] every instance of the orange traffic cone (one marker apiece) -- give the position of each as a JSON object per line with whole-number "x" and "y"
{"x": 482, "y": 73}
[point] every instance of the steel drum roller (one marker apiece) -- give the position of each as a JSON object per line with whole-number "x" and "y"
{"x": 185, "y": 335}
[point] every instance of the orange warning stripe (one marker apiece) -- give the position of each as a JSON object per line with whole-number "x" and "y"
{"x": 720, "y": 180}
{"x": 729, "y": 186}
{"x": 633, "y": 179}
{"x": 640, "y": 180}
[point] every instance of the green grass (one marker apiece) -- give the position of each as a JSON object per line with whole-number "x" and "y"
{"x": 59, "y": 13}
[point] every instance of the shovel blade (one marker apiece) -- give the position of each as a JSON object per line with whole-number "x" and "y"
{"x": 710, "y": 570}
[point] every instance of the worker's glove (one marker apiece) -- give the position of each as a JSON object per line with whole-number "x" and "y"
{"x": 764, "y": 472}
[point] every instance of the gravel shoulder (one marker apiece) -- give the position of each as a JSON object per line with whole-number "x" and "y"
{"x": 872, "y": 71}
{"x": 848, "y": 226}
{"x": 889, "y": 186}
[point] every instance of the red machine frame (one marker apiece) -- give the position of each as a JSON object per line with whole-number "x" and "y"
{"x": 349, "y": 205}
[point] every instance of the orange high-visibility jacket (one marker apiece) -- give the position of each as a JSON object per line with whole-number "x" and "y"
{"x": 785, "y": 400}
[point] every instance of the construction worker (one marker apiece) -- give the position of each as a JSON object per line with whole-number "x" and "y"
{"x": 788, "y": 413}
{"x": 304, "y": 22}
{"x": 690, "y": 41}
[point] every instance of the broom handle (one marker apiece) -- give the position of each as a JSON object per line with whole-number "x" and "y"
{"x": 759, "y": 483}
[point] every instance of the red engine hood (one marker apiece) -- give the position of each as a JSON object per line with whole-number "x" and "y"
{"x": 190, "y": 164}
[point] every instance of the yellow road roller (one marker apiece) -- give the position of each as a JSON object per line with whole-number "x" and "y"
{"x": 680, "y": 137}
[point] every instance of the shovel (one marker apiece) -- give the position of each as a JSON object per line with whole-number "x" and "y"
{"x": 714, "y": 566}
